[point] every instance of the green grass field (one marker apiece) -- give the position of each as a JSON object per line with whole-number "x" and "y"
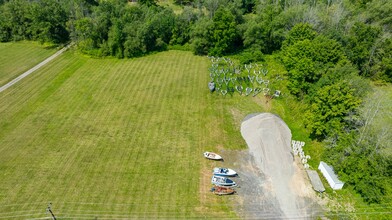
{"x": 15, "y": 58}
{"x": 115, "y": 138}
{"x": 111, "y": 138}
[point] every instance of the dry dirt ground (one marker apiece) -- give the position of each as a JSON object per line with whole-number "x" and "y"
{"x": 272, "y": 182}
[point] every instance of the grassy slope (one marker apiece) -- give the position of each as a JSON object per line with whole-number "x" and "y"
{"x": 107, "y": 137}
{"x": 15, "y": 58}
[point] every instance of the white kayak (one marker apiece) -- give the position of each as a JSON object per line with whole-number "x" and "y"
{"x": 212, "y": 156}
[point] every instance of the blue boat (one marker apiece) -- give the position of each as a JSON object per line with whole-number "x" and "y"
{"x": 222, "y": 181}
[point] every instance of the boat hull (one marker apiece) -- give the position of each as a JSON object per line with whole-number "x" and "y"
{"x": 219, "y": 190}
{"x": 219, "y": 171}
{"x": 222, "y": 181}
{"x": 212, "y": 156}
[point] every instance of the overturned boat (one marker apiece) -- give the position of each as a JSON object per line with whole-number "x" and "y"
{"x": 221, "y": 190}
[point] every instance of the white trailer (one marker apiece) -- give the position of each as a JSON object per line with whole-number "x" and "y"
{"x": 330, "y": 175}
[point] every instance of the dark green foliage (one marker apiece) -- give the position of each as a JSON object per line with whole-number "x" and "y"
{"x": 248, "y": 5}
{"x": 308, "y": 59}
{"x": 250, "y": 56}
{"x": 213, "y": 5}
{"x": 217, "y": 36}
{"x": 254, "y": 36}
{"x": 300, "y": 32}
{"x": 120, "y": 30}
{"x": 201, "y": 34}
{"x": 148, "y": 2}
{"x": 328, "y": 108}
{"x": 15, "y": 21}
{"x": 49, "y": 22}
{"x": 182, "y": 26}
{"x": 273, "y": 27}
{"x": 224, "y": 32}
{"x": 381, "y": 62}
{"x": 359, "y": 45}
{"x": 43, "y": 20}
{"x": 183, "y": 2}
{"x": 363, "y": 166}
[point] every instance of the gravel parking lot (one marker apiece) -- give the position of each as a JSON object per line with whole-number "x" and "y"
{"x": 273, "y": 183}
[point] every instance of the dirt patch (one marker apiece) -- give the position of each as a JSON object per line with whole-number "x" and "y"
{"x": 273, "y": 184}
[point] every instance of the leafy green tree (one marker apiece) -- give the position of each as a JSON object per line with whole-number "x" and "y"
{"x": 248, "y": 5}
{"x": 5, "y": 27}
{"x": 330, "y": 105}
{"x": 254, "y": 36}
{"x": 183, "y": 2}
{"x": 116, "y": 40}
{"x": 49, "y": 21}
{"x": 16, "y": 20}
{"x": 359, "y": 45}
{"x": 302, "y": 69}
{"x": 308, "y": 59}
{"x": 300, "y": 32}
{"x": 363, "y": 166}
{"x": 201, "y": 36}
{"x": 148, "y": 2}
{"x": 268, "y": 16}
{"x": 380, "y": 12}
{"x": 213, "y": 5}
{"x": 381, "y": 61}
{"x": 182, "y": 26}
{"x": 224, "y": 34}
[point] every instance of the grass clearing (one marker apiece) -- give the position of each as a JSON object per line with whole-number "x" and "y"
{"x": 115, "y": 138}
{"x": 16, "y": 58}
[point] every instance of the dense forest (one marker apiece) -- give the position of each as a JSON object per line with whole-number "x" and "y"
{"x": 332, "y": 51}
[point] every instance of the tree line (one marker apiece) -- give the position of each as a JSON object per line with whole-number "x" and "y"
{"x": 330, "y": 48}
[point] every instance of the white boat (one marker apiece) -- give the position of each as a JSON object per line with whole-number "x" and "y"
{"x": 219, "y": 171}
{"x": 212, "y": 156}
{"x": 222, "y": 181}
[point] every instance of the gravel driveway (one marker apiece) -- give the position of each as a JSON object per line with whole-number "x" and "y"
{"x": 273, "y": 184}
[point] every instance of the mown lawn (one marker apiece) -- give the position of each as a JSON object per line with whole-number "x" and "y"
{"x": 16, "y": 58}
{"x": 112, "y": 138}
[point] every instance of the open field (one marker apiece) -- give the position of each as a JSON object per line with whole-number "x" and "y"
{"x": 115, "y": 138}
{"x": 112, "y": 138}
{"x": 15, "y": 58}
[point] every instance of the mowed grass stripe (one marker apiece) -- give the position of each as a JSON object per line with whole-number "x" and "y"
{"x": 31, "y": 97}
{"x": 117, "y": 137}
{"x": 18, "y": 57}
{"x": 81, "y": 94}
{"x": 22, "y": 92}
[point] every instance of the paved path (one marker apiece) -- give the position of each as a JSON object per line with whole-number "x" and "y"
{"x": 28, "y": 72}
